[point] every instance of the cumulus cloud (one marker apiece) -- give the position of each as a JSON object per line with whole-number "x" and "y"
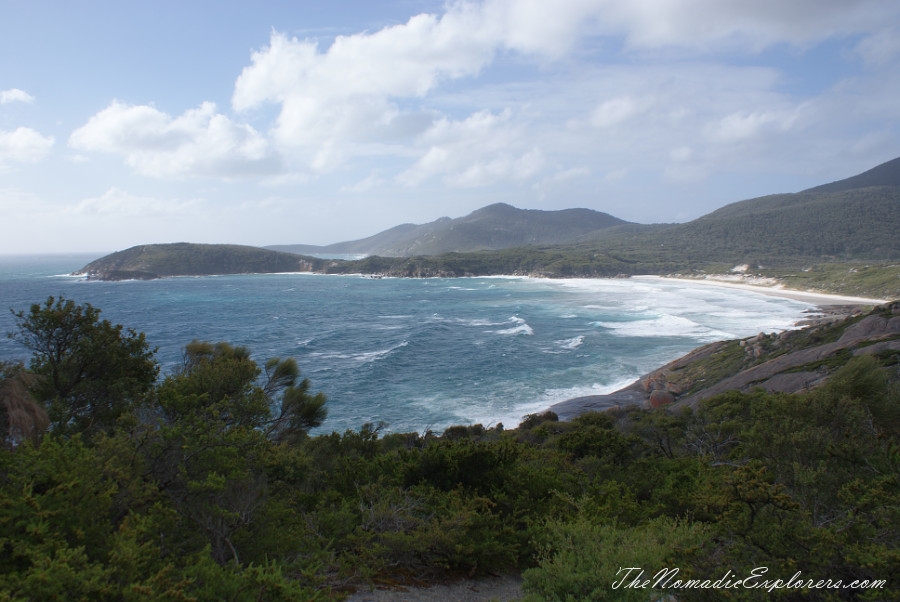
{"x": 200, "y": 142}
{"x": 23, "y": 145}
{"x": 414, "y": 92}
{"x": 349, "y": 92}
{"x": 480, "y": 150}
{"x": 15, "y": 95}
{"x": 337, "y": 102}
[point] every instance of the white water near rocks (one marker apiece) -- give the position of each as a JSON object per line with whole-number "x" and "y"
{"x": 417, "y": 354}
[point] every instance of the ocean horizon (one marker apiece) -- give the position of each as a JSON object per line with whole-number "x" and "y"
{"x": 416, "y": 354}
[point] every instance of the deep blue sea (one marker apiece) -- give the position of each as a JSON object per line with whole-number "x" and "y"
{"x": 417, "y": 354}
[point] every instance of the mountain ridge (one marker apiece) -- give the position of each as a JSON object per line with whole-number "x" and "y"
{"x": 494, "y": 227}
{"x": 849, "y": 221}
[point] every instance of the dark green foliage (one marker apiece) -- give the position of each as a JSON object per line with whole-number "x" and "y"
{"x": 298, "y": 411}
{"x": 90, "y": 372}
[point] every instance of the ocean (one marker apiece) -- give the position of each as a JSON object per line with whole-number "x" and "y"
{"x": 416, "y": 354}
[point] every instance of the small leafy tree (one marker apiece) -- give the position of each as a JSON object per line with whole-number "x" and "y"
{"x": 91, "y": 371}
{"x": 220, "y": 422}
{"x": 297, "y": 411}
{"x": 281, "y": 404}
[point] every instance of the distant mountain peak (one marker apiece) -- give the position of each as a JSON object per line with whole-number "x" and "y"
{"x": 496, "y": 226}
{"x": 886, "y": 174}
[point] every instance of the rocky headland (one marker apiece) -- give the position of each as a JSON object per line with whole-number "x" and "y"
{"x": 792, "y": 361}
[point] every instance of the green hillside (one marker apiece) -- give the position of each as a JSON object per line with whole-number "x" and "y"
{"x": 851, "y": 224}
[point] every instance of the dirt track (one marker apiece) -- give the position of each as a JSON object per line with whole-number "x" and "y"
{"x": 507, "y": 588}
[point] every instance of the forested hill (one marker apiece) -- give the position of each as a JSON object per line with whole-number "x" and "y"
{"x": 854, "y": 218}
{"x": 146, "y": 262}
{"x": 859, "y": 223}
{"x": 497, "y": 226}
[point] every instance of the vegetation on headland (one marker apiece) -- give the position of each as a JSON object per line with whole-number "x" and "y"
{"x": 147, "y": 262}
{"x": 205, "y": 485}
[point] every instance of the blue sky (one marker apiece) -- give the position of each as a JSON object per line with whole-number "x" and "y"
{"x": 125, "y": 123}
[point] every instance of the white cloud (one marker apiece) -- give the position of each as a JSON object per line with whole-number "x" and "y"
{"x": 348, "y": 93}
{"x": 738, "y": 24}
{"x": 334, "y": 103}
{"x": 23, "y": 145}
{"x": 742, "y": 125}
{"x": 614, "y": 111}
{"x": 15, "y": 95}
{"x": 480, "y": 150}
{"x": 200, "y": 142}
{"x": 118, "y": 203}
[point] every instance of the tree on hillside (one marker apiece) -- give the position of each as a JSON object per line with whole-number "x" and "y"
{"x": 220, "y": 421}
{"x": 280, "y": 404}
{"x": 298, "y": 410}
{"x": 90, "y": 371}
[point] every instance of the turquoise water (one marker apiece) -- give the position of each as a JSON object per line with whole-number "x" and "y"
{"x": 417, "y": 354}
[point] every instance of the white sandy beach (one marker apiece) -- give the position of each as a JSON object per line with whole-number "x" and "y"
{"x": 774, "y": 289}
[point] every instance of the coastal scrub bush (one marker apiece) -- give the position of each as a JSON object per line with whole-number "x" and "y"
{"x": 582, "y": 561}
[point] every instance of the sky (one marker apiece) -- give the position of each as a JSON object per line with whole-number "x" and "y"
{"x": 281, "y": 122}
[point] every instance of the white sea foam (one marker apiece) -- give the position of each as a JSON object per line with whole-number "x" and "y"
{"x": 361, "y": 358}
{"x": 477, "y": 322}
{"x": 666, "y": 325}
{"x": 573, "y": 343}
{"x": 521, "y": 327}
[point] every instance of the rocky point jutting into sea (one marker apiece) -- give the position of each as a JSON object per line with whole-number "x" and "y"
{"x": 792, "y": 361}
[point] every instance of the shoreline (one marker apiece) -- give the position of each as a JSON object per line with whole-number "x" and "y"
{"x": 773, "y": 290}
{"x": 828, "y": 307}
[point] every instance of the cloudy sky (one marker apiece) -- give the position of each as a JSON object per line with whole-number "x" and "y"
{"x": 125, "y": 123}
